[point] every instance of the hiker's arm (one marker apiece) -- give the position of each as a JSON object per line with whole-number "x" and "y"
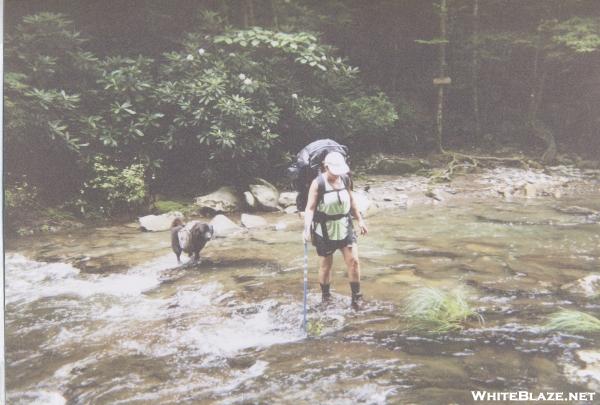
{"x": 356, "y": 214}
{"x": 311, "y": 206}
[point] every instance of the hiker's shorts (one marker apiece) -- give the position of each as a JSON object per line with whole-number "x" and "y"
{"x": 328, "y": 247}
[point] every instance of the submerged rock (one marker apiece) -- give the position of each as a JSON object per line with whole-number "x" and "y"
{"x": 266, "y": 195}
{"x": 587, "y": 286}
{"x": 281, "y": 226}
{"x": 241, "y": 362}
{"x": 156, "y": 223}
{"x": 506, "y": 192}
{"x": 224, "y": 199}
{"x": 575, "y": 210}
{"x": 530, "y": 191}
{"x": 587, "y": 372}
{"x": 292, "y": 209}
{"x": 223, "y": 226}
{"x": 253, "y": 221}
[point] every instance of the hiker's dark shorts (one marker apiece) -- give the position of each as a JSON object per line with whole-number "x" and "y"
{"x": 328, "y": 247}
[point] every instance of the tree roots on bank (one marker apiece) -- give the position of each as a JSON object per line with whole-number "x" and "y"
{"x": 464, "y": 161}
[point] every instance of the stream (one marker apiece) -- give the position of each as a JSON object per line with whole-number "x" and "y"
{"x": 104, "y": 315}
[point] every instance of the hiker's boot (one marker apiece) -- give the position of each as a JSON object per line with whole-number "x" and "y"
{"x": 325, "y": 294}
{"x": 357, "y": 297}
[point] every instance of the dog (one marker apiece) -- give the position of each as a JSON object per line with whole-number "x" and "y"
{"x": 189, "y": 238}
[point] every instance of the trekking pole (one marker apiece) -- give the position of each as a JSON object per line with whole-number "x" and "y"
{"x": 305, "y": 285}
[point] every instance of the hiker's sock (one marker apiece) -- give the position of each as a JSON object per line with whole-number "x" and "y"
{"x": 325, "y": 294}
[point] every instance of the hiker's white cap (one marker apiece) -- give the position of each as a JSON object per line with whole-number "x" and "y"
{"x": 335, "y": 162}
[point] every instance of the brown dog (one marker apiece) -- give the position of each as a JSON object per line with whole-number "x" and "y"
{"x": 189, "y": 238}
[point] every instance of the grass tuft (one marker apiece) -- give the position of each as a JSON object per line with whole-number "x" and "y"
{"x": 436, "y": 311}
{"x": 572, "y": 321}
{"x": 164, "y": 206}
{"x": 315, "y": 327}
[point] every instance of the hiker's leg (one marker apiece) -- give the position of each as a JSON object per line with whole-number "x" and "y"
{"x": 325, "y": 264}
{"x": 351, "y": 258}
{"x": 350, "y": 254}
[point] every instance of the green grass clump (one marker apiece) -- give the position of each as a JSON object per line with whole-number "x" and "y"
{"x": 436, "y": 311}
{"x": 572, "y": 321}
{"x": 164, "y": 206}
{"x": 315, "y": 327}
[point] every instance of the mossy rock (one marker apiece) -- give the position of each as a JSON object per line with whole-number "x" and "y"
{"x": 165, "y": 206}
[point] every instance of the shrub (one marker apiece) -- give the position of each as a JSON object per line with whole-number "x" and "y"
{"x": 363, "y": 121}
{"x": 113, "y": 190}
{"x": 243, "y": 98}
{"x": 20, "y": 195}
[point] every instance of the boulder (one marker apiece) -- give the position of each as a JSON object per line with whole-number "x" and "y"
{"x": 266, "y": 195}
{"x": 250, "y": 200}
{"x": 224, "y": 199}
{"x": 156, "y": 223}
{"x": 287, "y": 199}
{"x": 223, "y": 226}
{"x": 253, "y": 221}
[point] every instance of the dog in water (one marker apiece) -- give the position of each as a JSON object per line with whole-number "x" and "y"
{"x": 189, "y": 238}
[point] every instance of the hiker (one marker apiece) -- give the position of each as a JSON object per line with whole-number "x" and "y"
{"x": 328, "y": 223}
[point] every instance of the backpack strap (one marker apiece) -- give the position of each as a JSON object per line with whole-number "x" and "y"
{"x": 321, "y": 188}
{"x": 320, "y": 217}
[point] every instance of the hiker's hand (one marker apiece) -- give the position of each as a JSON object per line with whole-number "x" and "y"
{"x": 306, "y": 235}
{"x": 363, "y": 227}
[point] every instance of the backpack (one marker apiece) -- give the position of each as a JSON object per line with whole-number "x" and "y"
{"x": 187, "y": 233}
{"x": 306, "y": 167}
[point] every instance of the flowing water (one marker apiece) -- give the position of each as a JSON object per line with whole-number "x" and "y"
{"x": 103, "y": 316}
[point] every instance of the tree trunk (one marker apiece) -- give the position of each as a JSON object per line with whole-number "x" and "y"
{"x": 396, "y": 39}
{"x": 245, "y": 12}
{"x": 475, "y": 66}
{"x": 535, "y": 125}
{"x": 250, "y": 7}
{"x": 274, "y": 18}
{"x": 440, "y": 107}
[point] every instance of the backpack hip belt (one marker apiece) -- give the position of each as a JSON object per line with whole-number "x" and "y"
{"x": 322, "y": 218}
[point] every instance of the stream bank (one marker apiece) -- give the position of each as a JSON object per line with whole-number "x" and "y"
{"x": 104, "y": 315}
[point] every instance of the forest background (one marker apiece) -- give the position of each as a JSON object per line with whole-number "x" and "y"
{"x": 110, "y": 103}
